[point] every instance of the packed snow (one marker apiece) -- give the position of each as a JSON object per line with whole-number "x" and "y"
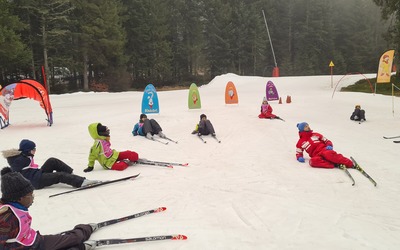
{"x": 247, "y": 192}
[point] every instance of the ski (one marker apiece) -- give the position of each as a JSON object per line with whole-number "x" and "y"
{"x": 201, "y": 138}
{"x": 169, "y": 139}
{"x": 343, "y": 167}
{"x": 167, "y": 163}
{"x": 280, "y": 118}
{"x": 133, "y": 216}
{"x": 391, "y": 137}
{"x": 107, "y": 242}
{"x": 358, "y": 167}
{"x": 159, "y": 164}
{"x": 396, "y": 141}
{"x": 215, "y": 137}
{"x": 95, "y": 185}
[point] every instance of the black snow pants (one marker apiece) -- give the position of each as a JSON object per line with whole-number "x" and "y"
{"x": 151, "y": 126}
{"x": 70, "y": 240}
{"x": 206, "y": 128}
{"x": 56, "y": 171}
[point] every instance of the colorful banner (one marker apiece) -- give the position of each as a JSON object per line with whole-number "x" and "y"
{"x": 231, "y": 96}
{"x": 194, "y": 101}
{"x": 24, "y": 88}
{"x": 385, "y": 67}
{"x": 150, "y": 100}
{"x": 271, "y": 92}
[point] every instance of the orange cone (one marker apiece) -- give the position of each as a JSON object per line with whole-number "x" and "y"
{"x": 288, "y": 99}
{"x": 280, "y": 100}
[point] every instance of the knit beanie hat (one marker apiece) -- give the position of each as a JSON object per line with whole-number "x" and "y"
{"x": 264, "y": 99}
{"x": 102, "y": 130}
{"x": 13, "y": 185}
{"x": 143, "y": 116}
{"x": 26, "y": 145}
{"x": 202, "y": 115}
{"x": 301, "y": 126}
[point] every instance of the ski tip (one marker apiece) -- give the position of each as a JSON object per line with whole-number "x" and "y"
{"x": 170, "y": 166}
{"x": 134, "y": 176}
{"x": 179, "y": 237}
{"x": 160, "y": 209}
{"x": 185, "y": 164}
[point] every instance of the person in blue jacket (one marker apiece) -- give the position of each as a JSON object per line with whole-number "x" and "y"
{"x": 147, "y": 127}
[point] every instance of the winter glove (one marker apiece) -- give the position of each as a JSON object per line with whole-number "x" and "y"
{"x": 88, "y": 169}
{"x": 301, "y": 159}
{"x": 329, "y": 147}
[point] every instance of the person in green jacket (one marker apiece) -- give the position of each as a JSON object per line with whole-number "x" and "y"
{"x": 101, "y": 151}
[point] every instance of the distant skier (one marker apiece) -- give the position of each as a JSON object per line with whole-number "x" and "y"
{"x": 266, "y": 111}
{"x": 101, "y": 151}
{"x": 53, "y": 170}
{"x": 358, "y": 114}
{"x": 147, "y": 127}
{"x": 15, "y": 220}
{"x": 319, "y": 148}
{"x": 204, "y": 127}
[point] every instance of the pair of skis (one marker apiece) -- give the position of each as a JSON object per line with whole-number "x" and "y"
{"x": 392, "y": 137}
{"x": 163, "y": 142}
{"x": 140, "y": 161}
{"x": 204, "y": 141}
{"x": 105, "y": 242}
{"x": 359, "y": 168}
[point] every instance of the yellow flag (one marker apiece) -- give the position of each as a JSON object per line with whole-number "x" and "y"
{"x": 385, "y": 67}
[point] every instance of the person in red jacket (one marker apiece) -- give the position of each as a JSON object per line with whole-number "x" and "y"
{"x": 319, "y": 148}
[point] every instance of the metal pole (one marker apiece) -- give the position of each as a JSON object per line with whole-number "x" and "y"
{"x": 272, "y": 48}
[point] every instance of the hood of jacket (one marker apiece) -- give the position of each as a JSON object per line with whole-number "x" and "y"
{"x": 93, "y": 132}
{"x": 11, "y": 153}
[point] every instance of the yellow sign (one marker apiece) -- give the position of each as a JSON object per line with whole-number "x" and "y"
{"x": 385, "y": 67}
{"x": 331, "y": 64}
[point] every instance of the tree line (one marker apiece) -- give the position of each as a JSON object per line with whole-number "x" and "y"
{"x": 129, "y": 43}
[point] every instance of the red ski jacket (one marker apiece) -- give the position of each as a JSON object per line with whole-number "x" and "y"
{"x": 312, "y": 143}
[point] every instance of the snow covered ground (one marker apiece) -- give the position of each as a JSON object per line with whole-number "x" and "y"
{"x": 248, "y": 192}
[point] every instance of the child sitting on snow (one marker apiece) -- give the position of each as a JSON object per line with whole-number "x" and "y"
{"x": 101, "y": 151}
{"x": 204, "y": 127}
{"x": 147, "y": 127}
{"x": 266, "y": 111}
{"x": 358, "y": 114}
{"x": 53, "y": 170}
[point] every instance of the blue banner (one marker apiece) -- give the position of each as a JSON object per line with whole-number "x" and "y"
{"x": 150, "y": 100}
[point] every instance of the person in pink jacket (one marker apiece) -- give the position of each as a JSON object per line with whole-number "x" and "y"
{"x": 266, "y": 111}
{"x": 16, "y": 232}
{"x": 319, "y": 148}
